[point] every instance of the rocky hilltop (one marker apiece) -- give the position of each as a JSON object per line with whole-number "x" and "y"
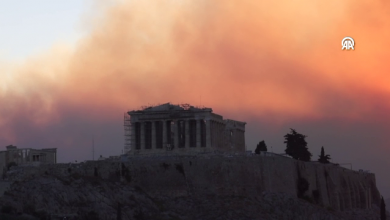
{"x": 191, "y": 187}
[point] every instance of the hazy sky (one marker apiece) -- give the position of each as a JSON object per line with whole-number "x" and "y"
{"x": 30, "y": 27}
{"x": 68, "y": 72}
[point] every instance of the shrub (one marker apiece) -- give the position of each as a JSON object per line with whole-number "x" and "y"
{"x": 179, "y": 167}
{"x": 303, "y": 186}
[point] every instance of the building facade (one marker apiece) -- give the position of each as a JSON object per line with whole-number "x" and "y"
{"x": 182, "y": 129}
{"x": 26, "y": 156}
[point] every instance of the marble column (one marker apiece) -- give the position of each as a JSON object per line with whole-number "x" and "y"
{"x": 208, "y": 133}
{"x": 187, "y": 133}
{"x": 198, "y": 133}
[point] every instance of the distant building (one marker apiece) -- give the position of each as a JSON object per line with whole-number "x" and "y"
{"x": 27, "y": 156}
{"x": 181, "y": 129}
{"x": 102, "y": 158}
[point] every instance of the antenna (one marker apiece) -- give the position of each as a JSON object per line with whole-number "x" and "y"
{"x": 93, "y": 149}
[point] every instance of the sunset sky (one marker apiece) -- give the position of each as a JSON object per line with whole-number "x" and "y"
{"x": 70, "y": 69}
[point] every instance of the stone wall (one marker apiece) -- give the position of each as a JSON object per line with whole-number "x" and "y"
{"x": 239, "y": 175}
{"x": 235, "y": 135}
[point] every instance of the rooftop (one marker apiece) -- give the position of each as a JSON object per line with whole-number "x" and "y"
{"x": 170, "y": 107}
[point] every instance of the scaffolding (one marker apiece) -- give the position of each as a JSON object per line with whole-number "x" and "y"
{"x": 127, "y": 125}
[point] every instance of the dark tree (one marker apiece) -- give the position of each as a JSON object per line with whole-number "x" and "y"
{"x": 383, "y": 209}
{"x": 323, "y": 158}
{"x": 296, "y": 146}
{"x": 261, "y": 146}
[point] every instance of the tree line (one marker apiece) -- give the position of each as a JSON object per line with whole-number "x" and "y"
{"x": 296, "y": 147}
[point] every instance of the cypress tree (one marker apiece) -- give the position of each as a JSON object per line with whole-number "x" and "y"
{"x": 296, "y": 146}
{"x": 323, "y": 158}
{"x": 261, "y": 146}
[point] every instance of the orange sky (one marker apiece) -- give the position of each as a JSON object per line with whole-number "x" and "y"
{"x": 274, "y": 65}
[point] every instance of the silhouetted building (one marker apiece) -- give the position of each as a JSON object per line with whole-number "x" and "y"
{"x": 21, "y": 156}
{"x": 181, "y": 129}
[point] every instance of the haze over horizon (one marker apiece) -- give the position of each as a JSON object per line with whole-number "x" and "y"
{"x": 275, "y": 65}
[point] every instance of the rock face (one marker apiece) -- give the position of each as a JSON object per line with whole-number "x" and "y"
{"x": 194, "y": 187}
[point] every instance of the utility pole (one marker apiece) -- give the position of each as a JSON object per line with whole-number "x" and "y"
{"x": 93, "y": 149}
{"x": 120, "y": 171}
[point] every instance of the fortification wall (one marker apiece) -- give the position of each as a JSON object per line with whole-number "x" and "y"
{"x": 328, "y": 185}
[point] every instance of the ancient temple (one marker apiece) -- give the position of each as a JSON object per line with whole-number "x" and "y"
{"x": 181, "y": 129}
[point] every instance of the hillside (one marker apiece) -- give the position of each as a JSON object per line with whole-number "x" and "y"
{"x": 94, "y": 198}
{"x": 191, "y": 187}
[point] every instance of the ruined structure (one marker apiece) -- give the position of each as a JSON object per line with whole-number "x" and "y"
{"x": 26, "y": 156}
{"x": 181, "y": 129}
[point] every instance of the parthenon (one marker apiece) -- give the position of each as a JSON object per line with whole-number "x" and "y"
{"x": 181, "y": 129}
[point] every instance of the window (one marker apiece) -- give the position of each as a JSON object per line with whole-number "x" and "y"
{"x": 35, "y": 157}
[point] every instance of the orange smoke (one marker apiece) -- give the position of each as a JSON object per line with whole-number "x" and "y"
{"x": 274, "y": 64}
{"x": 282, "y": 59}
